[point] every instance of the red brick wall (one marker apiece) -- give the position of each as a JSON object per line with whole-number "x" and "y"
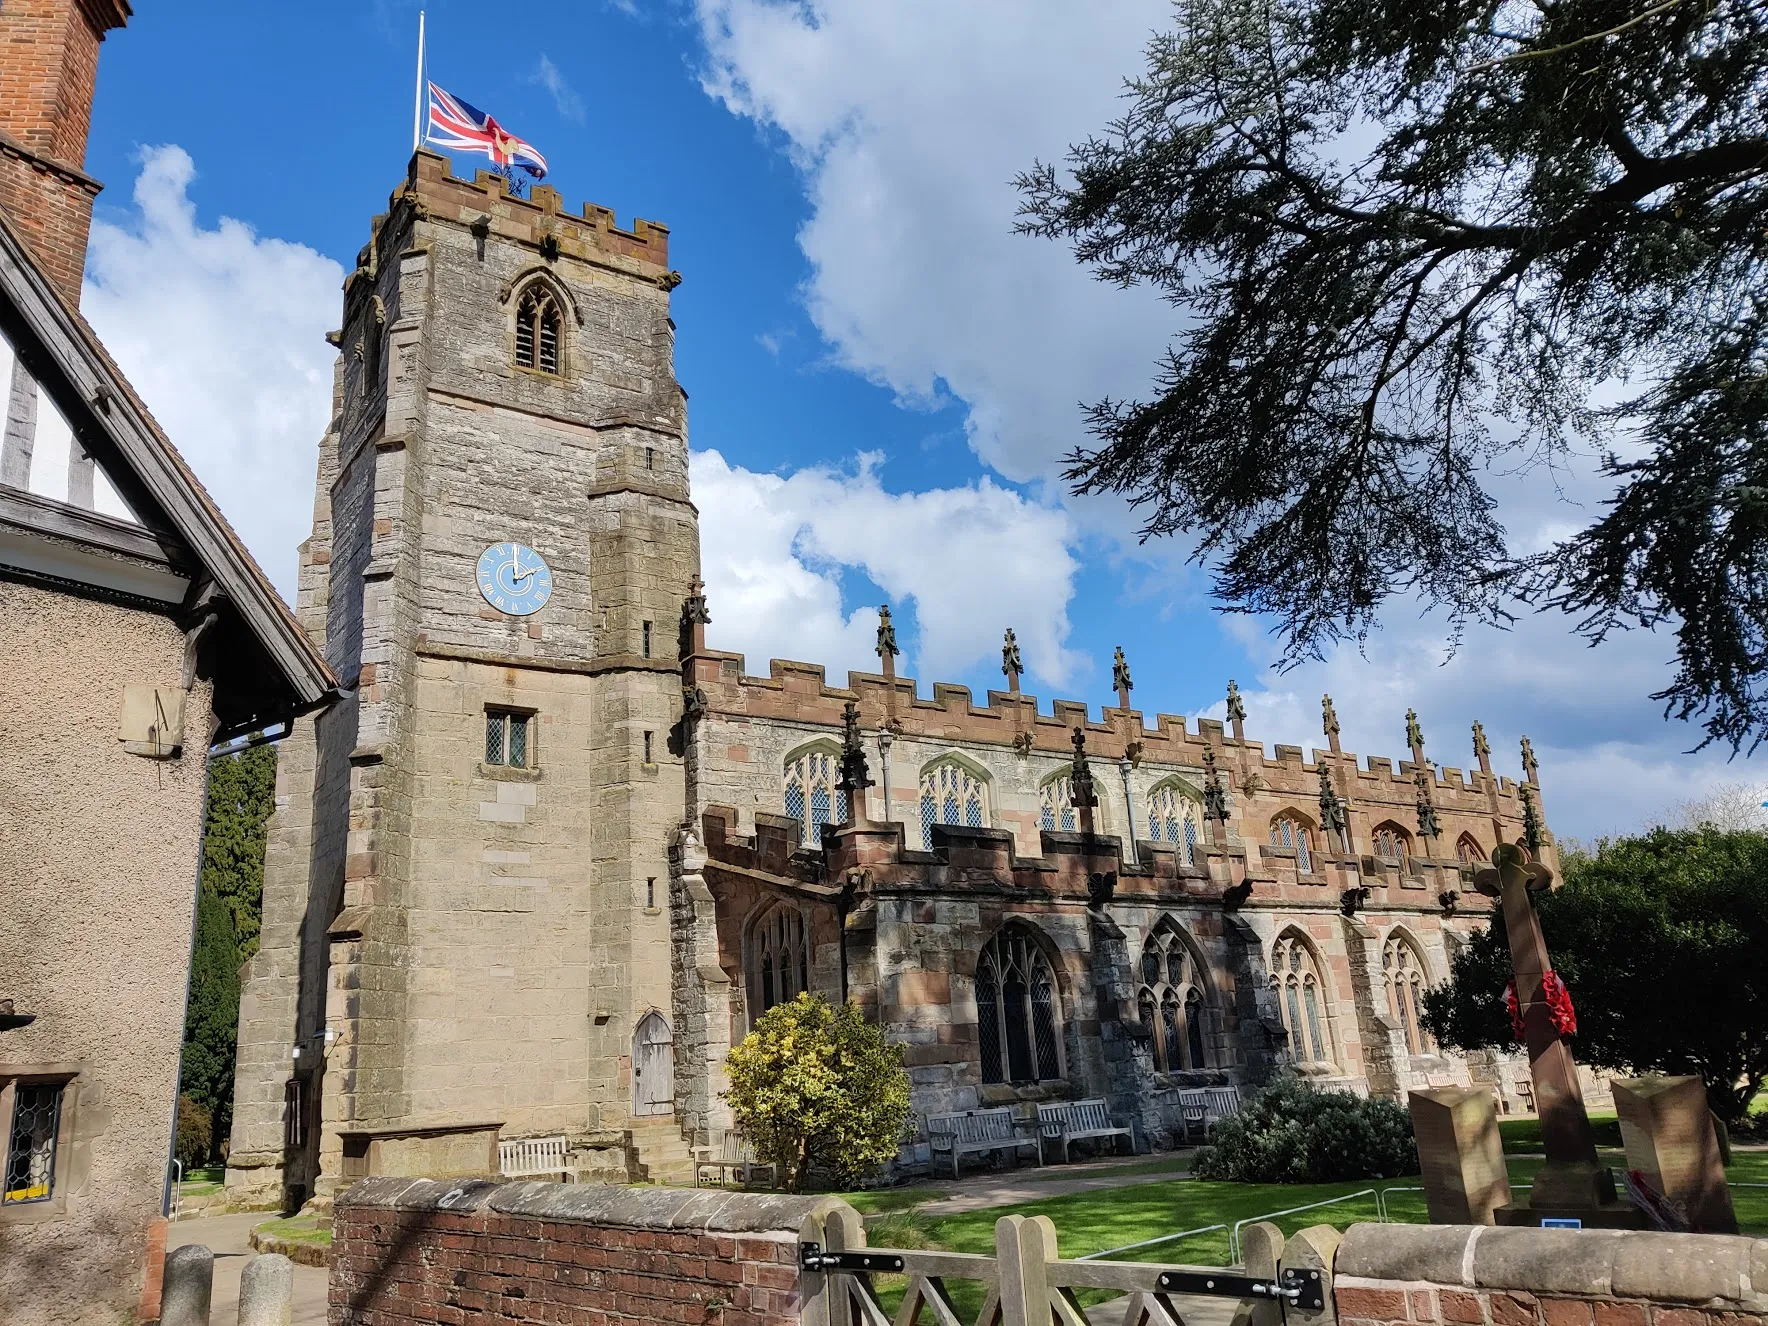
{"x": 48, "y": 69}
{"x": 1451, "y": 1275}
{"x": 417, "y": 1250}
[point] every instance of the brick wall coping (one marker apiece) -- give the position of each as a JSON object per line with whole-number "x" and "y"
{"x": 591, "y": 1204}
{"x": 1709, "y": 1269}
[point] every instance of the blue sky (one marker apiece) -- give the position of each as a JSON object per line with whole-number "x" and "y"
{"x": 883, "y": 379}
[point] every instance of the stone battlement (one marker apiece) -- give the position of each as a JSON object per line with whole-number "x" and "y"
{"x": 485, "y": 199}
{"x": 794, "y": 691}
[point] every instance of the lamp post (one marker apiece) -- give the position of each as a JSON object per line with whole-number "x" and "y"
{"x": 884, "y": 740}
{"x": 1129, "y": 808}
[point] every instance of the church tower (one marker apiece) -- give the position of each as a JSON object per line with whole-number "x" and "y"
{"x": 465, "y": 931}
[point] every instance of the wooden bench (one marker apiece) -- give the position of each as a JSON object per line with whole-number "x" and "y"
{"x": 1220, "y": 1102}
{"x": 1074, "y": 1121}
{"x": 735, "y": 1155}
{"x": 534, "y": 1158}
{"x": 973, "y": 1131}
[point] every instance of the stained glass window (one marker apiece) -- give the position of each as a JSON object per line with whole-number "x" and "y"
{"x": 1296, "y": 977}
{"x": 1403, "y": 966}
{"x": 1017, "y": 1010}
{"x": 779, "y": 959}
{"x": 951, "y": 794}
{"x": 1171, "y": 973}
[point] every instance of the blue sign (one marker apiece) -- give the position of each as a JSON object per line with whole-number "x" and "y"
{"x": 1561, "y": 1222}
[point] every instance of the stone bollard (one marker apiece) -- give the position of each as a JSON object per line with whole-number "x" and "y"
{"x": 184, "y": 1290}
{"x": 267, "y": 1291}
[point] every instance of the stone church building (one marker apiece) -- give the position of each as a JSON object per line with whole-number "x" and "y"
{"x": 554, "y": 851}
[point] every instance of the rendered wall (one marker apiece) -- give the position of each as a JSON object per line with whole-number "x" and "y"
{"x": 98, "y": 870}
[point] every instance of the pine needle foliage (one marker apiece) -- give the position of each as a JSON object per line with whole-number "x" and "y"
{"x": 1410, "y": 246}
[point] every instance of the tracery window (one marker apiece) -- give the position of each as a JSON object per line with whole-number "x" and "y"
{"x": 1173, "y": 818}
{"x": 951, "y": 794}
{"x": 1292, "y": 833}
{"x": 812, "y": 799}
{"x": 1172, "y": 980}
{"x": 1403, "y": 966}
{"x": 1056, "y": 804}
{"x": 1394, "y": 845}
{"x": 537, "y": 330}
{"x": 1295, "y": 974}
{"x": 1018, "y": 1014}
{"x": 779, "y": 959}
{"x": 1468, "y": 851}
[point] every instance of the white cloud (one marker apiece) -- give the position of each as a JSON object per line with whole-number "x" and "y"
{"x": 967, "y": 561}
{"x": 222, "y": 332}
{"x": 565, "y": 98}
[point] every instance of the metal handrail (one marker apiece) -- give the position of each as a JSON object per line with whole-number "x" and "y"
{"x": 1148, "y": 1243}
{"x": 1381, "y": 1201}
{"x": 1234, "y": 1234}
{"x": 177, "y": 1183}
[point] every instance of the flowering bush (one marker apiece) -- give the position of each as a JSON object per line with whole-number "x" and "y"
{"x": 1290, "y": 1133}
{"x": 818, "y": 1092}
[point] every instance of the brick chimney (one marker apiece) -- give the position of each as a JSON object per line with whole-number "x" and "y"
{"x": 48, "y": 66}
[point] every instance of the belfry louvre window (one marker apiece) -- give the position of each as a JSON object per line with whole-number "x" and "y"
{"x": 508, "y": 739}
{"x": 537, "y": 331}
{"x": 950, "y": 794}
{"x": 779, "y": 959}
{"x": 1172, "y": 818}
{"x": 30, "y": 1142}
{"x": 1300, "y": 999}
{"x": 812, "y": 799}
{"x": 1292, "y": 834}
{"x": 1171, "y": 999}
{"x": 1018, "y": 1021}
{"x": 1403, "y": 967}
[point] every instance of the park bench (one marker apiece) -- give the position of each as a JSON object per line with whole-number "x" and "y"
{"x": 1219, "y": 1103}
{"x": 535, "y": 1157}
{"x": 735, "y": 1156}
{"x": 973, "y": 1131}
{"x": 1074, "y": 1121}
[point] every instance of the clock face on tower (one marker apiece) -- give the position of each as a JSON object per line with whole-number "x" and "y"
{"x": 514, "y": 578}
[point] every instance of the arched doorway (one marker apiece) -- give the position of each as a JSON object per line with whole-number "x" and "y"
{"x": 653, "y": 1066}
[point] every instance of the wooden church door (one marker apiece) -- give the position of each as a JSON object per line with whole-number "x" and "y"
{"x": 653, "y": 1066}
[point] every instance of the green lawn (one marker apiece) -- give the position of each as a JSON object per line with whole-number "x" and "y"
{"x": 1524, "y": 1135}
{"x": 299, "y": 1229}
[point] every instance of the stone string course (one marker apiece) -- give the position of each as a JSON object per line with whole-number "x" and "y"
{"x": 408, "y": 1251}
{"x": 1452, "y": 1275}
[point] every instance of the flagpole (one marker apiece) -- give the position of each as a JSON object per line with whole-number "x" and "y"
{"x": 417, "y": 107}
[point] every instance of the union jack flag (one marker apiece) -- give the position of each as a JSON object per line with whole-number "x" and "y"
{"x": 463, "y": 128}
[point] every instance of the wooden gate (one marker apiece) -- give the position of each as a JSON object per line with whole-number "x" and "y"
{"x": 1285, "y": 1282}
{"x": 653, "y": 1066}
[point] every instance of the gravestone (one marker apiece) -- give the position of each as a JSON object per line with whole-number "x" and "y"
{"x": 1670, "y": 1139}
{"x": 1461, "y": 1154}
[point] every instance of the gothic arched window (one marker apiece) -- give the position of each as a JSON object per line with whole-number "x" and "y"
{"x": 812, "y": 800}
{"x": 779, "y": 958}
{"x": 951, "y": 794}
{"x": 1172, "y": 981}
{"x": 1292, "y": 833}
{"x": 1018, "y": 1013}
{"x": 1301, "y": 999}
{"x": 1394, "y": 845}
{"x": 1056, "y": 804}
{"x": 1403, "y": 966}
{"x": 1173, "y": 817}
{"x": 538, "y": 330}
{"x": 1468, "y": 851}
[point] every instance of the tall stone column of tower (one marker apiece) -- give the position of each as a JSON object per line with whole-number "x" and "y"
{"x": 466, "y": 890}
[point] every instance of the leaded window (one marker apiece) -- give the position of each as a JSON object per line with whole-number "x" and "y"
{"x": 1295, "y": 974}
{"x": 30, "y": 1145}
{"x": 1291, "y": 833}
{"x": 537, "y": 330}
{"x": 812, "y": 799}
{"x": 1172, "y": 979}
{"x": 1403, "y": 966}
{"x": 1018, "y": 1011}
{"x": 951, "y": 794}
{"x": 1172, "y": 818}
{"x": 508, "y": 739}
{"x": 1468, "y": 851}
{"x": 1056, "y": 805}
{"x": 1394, "y": 845}
{"x": 779, "y": 959}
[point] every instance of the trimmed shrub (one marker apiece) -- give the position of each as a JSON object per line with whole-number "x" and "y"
{"x": 818, "y": 1092}
{"x": 1290, "y": 1133}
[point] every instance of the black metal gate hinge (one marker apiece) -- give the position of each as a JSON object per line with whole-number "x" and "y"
{"x": 1303, "y": 1289}
{"x": 811, "y": 1257}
